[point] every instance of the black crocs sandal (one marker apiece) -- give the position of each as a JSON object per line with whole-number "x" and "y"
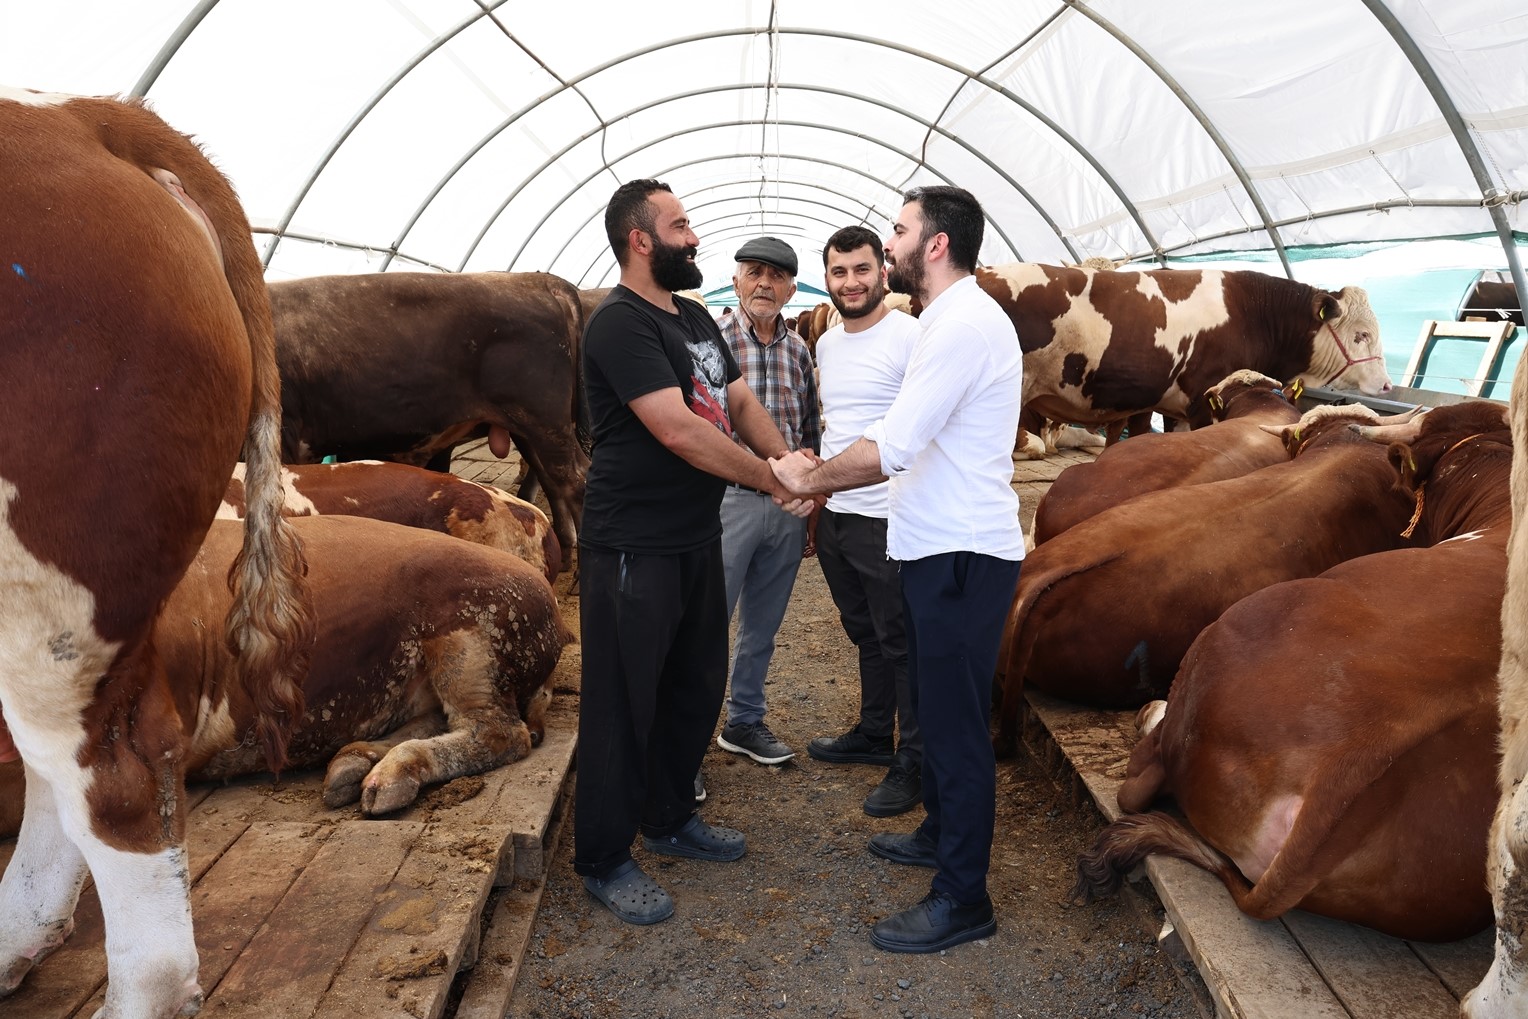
{"x": 698, "y": 840}
{"x": 631, "y": 895}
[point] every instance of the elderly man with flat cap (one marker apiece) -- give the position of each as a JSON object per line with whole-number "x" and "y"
{"x": 762, "y": 545}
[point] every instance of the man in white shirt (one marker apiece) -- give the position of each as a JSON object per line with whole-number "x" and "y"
{"x": 862, "y": 362}
{"x": 946, "y": 443}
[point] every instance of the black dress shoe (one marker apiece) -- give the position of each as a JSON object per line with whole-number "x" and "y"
{"x": 900, "y": 791}
{"x": 936, "y": 923}
{"x": 912, "y": 849}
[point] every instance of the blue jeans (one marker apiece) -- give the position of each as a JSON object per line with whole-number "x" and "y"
{"x": 761, "y": 552}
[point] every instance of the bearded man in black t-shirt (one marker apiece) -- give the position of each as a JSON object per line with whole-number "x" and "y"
{"x": 664, "y": 396}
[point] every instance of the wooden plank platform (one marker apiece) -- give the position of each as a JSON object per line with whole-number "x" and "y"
{"x": 1301, "y": 966}
{"x": 302, "y": 911}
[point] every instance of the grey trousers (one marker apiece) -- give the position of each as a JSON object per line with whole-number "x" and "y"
{"x": 761, "y": 552}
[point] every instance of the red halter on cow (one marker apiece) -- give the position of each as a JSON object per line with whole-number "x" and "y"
{"x": 138, "y": 357}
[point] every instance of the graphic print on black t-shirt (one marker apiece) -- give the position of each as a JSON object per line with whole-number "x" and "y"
{"x": 708, "y": 396}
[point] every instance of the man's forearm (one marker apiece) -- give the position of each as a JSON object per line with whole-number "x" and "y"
{"x": 755, "y": 427}
{"x": 703, "y": 446}
{"x": 855, "y": 467}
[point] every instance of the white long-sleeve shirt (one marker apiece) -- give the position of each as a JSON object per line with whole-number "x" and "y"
{"x": 861, "y": 376}
{"x": 947, "y": 441}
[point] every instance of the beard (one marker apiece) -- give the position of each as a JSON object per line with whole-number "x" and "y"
{"x": 907, "y": 274}
{"x": 672, "y": 268}
{"x": 874, "y": 296}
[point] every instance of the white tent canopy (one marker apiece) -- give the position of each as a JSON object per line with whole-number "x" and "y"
{"x": 456, "y": 135}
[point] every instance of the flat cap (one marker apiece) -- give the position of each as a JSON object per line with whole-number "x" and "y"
{"x": 769, "y": 250}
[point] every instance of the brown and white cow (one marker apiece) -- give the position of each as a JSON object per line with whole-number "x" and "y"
{"x": 1104, "y": 611}
{"x": 417, "y": 498}
{"x": 1231, "y": 447}
{"x": 1503, "y": 994}
{"x": 403, "y": 365}
{"x": 1101, "y": 346}
{"x": 136, "y": 356}
{"x": 1330, "y": 740}
{"x": 434, "y": 659}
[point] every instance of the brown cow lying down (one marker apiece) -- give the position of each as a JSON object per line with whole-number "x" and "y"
{"x": 415, "y": 497}
{"x": 1230, "y": 448}
{"x": 433, "y": 660}
{"x": 1331, "y": 741}
{"x": 1104, "y": 611}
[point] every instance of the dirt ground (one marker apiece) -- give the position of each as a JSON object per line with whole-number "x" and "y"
{"x": 785, "y": 930}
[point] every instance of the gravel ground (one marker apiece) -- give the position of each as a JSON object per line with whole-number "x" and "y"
{"x": 785, "y": 930}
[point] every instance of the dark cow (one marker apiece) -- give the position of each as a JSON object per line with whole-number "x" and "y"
{"x": 1230, "y": 448}
{"x": 415, "y": 497}
{"x": 434, "y": 659}
{"x": 1105, "y": 611}
{"x": 137, "y": 359}
{"x": 1100, "y": 346}
{"x": 1330, "y": 741}
{"x": 403, "y": 365}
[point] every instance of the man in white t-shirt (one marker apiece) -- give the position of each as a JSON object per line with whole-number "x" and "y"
{"x": 862, "y": 362}
{"x": 946, "y": 443}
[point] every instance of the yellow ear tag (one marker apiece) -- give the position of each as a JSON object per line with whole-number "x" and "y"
{"x": 1298, "y": 388}
{"x": 1321, "y": 313}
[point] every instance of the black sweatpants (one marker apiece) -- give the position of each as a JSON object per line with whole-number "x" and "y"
{"x": 867, "y": 589}
{"x": 654, "y": 640}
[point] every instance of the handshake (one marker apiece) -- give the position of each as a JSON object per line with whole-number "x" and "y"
{"x": 791, "y": 471}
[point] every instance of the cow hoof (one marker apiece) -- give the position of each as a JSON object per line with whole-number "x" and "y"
{"x": 342, "y": 782}
{"x": 15, "y": 971}
{"x": 379, "y": 796}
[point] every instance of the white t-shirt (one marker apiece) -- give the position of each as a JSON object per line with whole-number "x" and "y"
{"x": 861, "y": 374}
{"x": 947, "y": 441}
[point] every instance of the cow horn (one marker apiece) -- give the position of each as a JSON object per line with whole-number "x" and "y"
{"x": 1281, "y": 431}
{"x": 1402, "y": 432}
{"x": 1403, "y": 417}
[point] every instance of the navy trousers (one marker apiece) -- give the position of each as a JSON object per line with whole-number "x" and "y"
{"x": 654, "y": 641}
{"x": 955, "y": 606}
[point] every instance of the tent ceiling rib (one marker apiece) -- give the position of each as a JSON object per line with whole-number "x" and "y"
{"x": 472, "y": 133}
{"x": 1489, "y": 188}
{"x": 599, "y": 211}
{"x": 709, "y": 127}
{"x": 557, "y": 156}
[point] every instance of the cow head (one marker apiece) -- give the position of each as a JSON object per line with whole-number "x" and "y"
{"x": 1220, "y": 396}
{"x": 1345, "y": 351}
{"x": 1320, "y": 421}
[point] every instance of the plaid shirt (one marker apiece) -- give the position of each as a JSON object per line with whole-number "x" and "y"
{"x": 781, "y": 375}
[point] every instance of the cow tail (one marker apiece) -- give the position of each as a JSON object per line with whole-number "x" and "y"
{"x": 1129, "y": 840}
{"x": 270, "y": 626}
{"x": 583, "y": 427}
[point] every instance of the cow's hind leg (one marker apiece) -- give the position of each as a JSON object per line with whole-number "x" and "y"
{"x": 349, "y": 767}
{"x": 484, "y": 726}
{"x": 40, "y": 887}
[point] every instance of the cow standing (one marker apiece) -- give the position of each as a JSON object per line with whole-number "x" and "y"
{"x": 1101, "y": 346}
{"x": 1233, "y": 446}
{"x": 137, "y": 354}
{"x": 404, "y": 365}
{"x": 1329, "y": 740}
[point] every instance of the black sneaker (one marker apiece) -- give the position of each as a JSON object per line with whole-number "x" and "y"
{"x": 900, "y": 791}
{"x": 853, "y": 747}
{"x": 756, "y": 741}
